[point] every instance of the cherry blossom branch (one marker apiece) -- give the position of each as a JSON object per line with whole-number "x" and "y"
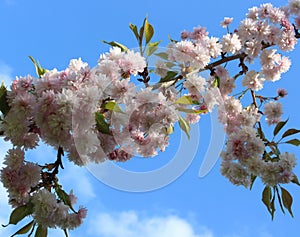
{"x": 297, "y": 34}
{"x": 145, "y": 77}
{"x": 261, "y": 134}
{"x": 210, "y": 66}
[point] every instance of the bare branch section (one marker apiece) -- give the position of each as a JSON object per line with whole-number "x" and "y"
{"x": 210, "y": 66}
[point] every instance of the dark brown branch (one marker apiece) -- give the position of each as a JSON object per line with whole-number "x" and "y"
{"x": 210, "y": 66}
{"x": 261, "y": 134}
{"x": 145, "y": 77}
{"x": 297, "y": 33}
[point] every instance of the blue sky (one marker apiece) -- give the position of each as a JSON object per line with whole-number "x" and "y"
{"x": 55, "y": 32}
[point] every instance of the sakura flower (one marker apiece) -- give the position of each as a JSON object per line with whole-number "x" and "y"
{"x": 226, "y": 22}
{"x": 193, "y": 118}
{"x": 231, "y": 43}
{"x": 19, "y": 177}
{"x": 273, "y": 111}
{"x": 294, "y": 7}
{"x": 252, "y": 80}
{"x": 195, "y": 84}
{"x": 236, "y": 173}
{"x": 212, "y": 97}
{"x": 282, "y": 92}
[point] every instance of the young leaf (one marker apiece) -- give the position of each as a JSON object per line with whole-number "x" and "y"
{"x": 66, "y": 232}
{"x": 287, "y": 200}
{"x": 272, "y": 206}
{"x": 152, "y": 47}
{"x": 184, "y": 100}
{"x": 24, "y": 229}
{"x": 169, "y": 64}
{"x": 20, "y": 213}
{"x": 216, "y": 82}
{"x": 279, "y": 126}
{"x": 253, "y": 178}
{"x": 162, "y": 55}
{"x": 295, "y": 142}
{"x": 279, "y": 199}
{"x": 185, "y": 126}
{"x": 113, "y": 106}
{"x": 41, "y": 232}
{"x": 169, "y": 77}
{"x": 148, "y": 31}
{"x": 134, "y": 30}
{"x": 191, "y": 111}
{"x": 141, "y": 35}
{"x": 116, "y": 44}
{"x": 295, "y": 180}
{"x": 64, "y": 197}
{"x": 266, "y": 198}
{"x": 38, "y": 68}
{"x": 170, "y": 130}
{"x": 4, "y": 106}
{"x": 172, "y": 40}
{"x": 290, "y": 132}
{"x": 101, "y": 124}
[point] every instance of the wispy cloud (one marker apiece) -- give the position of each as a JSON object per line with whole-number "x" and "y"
{"x": 4, "y": 207}
{"x": 130, "y": 224}
{"x": 5, "y": 73}
{"x": 78, "y": 179}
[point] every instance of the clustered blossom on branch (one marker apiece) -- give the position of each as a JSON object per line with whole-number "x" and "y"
{"x": 99, "y": 113}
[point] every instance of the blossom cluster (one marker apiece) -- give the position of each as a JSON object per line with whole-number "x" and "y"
{"x": 98, "y": 113}
{"x": 23, "y": 180}
{"x": 49, "y": 213}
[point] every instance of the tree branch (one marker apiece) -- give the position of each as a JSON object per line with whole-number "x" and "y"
{"x": 210, "y": 66}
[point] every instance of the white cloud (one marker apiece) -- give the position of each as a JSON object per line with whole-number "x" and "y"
{"x": 77, "y": 178}
{"x": 4, "y": 206}
{"x": 129, "y": 224}
{"x": 5, "y": 73}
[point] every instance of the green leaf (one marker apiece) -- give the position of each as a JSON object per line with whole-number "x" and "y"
{"x": 134, "y": 30}
{"x": 148, "y": 30}
{"x": 185, "y": 126}
{"x": 279, "y": 126}
{"x": 24, "y": 229}
{"x": 295, "y": 180}
{"x": 290, "y": 132}
{"x": 184, "y": 100}
{"x": 112, "y": 105}
{"x": 170, "y": 130}
{"x": 172, "y": 40}
{"x": 66, "y": 232}
{"x": 266, "y": 198}
{"x": 63, "y": 196}
{"x": 216, "y": 82}
{"x": 4, "y": 106}
{"x": 272, "y": 206}
{"x": 101, "y": 124}
{"x": 116, "y": 44}
{"x": 279, "y": 199}
{"x": 169, "y": 77}
{"x": 152, "y": 47}
{"x": 191, "y": 111}
{"x": 295, "y": 142}
{"x": 20, "y": 213}
{"x": 141, "y": 35}
{"x": 38, "y": 68}
{"x": 169, "y": 64}
{"x": 41, "y": 231}
{"x": 162, "y": 55}
{"x": 287, "y": 200}
{"x": 253, "y": 178}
